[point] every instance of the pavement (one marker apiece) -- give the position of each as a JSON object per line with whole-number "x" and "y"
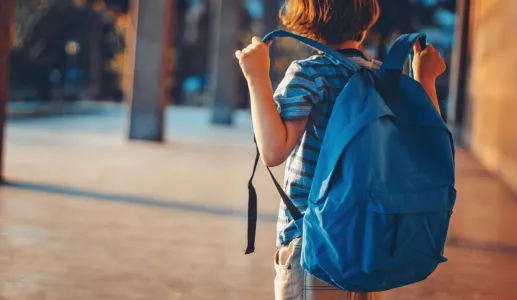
{"x": 46, "y": 108}
{"x": 87, "y": 214}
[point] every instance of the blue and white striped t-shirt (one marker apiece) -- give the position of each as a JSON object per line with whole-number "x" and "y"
{"x": 309, "y": 90}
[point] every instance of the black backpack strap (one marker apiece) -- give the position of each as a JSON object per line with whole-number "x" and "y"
{"x": 252, "y": 209}
{"x": 252, "y": 205}
{"x": 293, "y": 210}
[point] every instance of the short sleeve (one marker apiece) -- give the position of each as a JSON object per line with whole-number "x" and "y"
{"x": 296, "y": 93}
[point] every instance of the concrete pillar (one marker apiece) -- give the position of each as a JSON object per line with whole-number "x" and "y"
{"x": 6, "y": 21}
{"x": 150, "y": 61}
{"x": 270, "y": 16}
{"x": 457, "y": 106}
{"x": 270, "y": 19}
{"x": 223, "y": 92}
{"x": 96, "y": 61}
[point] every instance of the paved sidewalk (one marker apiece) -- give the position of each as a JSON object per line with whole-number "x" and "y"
{"x": 24, "y": 109}
{"x": 90, "y": 215}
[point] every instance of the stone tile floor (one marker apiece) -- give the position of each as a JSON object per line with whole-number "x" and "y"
{"x": 88, "y": 215}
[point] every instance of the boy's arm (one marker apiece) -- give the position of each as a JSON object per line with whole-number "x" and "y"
{"x": 430, "y": 88}
{"x": 275, "y": 137}
{"x": 428, "y": 64}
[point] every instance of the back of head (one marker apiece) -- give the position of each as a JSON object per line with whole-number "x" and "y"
{"x": 331, "y": 22}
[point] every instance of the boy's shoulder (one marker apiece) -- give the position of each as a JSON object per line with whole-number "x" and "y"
{"x": 318, "y": 62}
{"x": 315, "y": 61}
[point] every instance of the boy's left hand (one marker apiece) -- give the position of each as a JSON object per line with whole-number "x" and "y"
{"x": 428, "y": 64}
{"x": 254, "y": 59}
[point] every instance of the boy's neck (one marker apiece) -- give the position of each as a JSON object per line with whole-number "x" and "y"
{"x": 347, "y": 45}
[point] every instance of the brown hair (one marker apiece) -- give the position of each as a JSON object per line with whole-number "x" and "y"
{"x": 330, "y": 21}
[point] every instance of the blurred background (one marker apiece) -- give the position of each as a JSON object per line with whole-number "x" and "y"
{"x": 66, "y": 51}
{"x": 126, "y": 146}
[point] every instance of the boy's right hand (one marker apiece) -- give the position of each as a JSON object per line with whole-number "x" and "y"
{"x": 254, "y": 59}
{"x": 428, "y": 64}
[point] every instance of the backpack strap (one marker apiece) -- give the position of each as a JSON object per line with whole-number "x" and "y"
{"x": 252, "y": 204}
{"x": 350, "y": 64}
{"x": 401, "y": 49}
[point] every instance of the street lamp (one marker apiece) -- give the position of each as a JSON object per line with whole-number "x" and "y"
{"x": 72, "y": 48}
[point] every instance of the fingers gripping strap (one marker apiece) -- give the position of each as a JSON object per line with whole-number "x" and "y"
{"x": 314, "y": 44}
{"x": 401, "y": 49}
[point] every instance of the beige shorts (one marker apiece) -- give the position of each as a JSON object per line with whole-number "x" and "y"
{"x": 294, "y": 283}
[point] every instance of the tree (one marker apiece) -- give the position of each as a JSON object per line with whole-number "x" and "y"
{"x": 23, "y": 11}
{"x": 45, "y": 30}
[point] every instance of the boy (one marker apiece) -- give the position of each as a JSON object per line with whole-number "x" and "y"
{"x": 290, "y": 123}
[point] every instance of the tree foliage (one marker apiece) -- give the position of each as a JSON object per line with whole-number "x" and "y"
{"x": 23, "y": 12}
{"x": 44, "y": 27}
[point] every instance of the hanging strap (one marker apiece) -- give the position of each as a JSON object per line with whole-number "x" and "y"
{"x": 252, "y": 209}
{"x": 252, "y": 204}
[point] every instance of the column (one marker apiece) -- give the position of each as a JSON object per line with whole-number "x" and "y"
{"x": 150, "y": 62}
{"x": 270, "y": 19}
{"x": 6, "y": 20}
{"x": 459, "y": 66}
{"x": 224, "y": 64}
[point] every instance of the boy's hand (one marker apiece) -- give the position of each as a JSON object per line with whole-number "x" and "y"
{"x": 254, "y": 59}
{"x": 428, "y": 64}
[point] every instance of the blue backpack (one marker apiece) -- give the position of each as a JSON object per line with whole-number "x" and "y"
{"x": 383, "y": 191}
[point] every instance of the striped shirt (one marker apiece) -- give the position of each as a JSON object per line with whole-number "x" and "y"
{"x": 308, "y": 91}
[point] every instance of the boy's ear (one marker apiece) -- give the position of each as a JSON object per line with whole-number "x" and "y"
{"x": 361, "y": 37}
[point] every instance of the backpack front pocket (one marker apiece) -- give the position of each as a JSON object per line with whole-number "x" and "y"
{"x": 406, "y": 230}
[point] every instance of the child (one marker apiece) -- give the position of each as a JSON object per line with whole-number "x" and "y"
{"x": 290, "y": 123}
